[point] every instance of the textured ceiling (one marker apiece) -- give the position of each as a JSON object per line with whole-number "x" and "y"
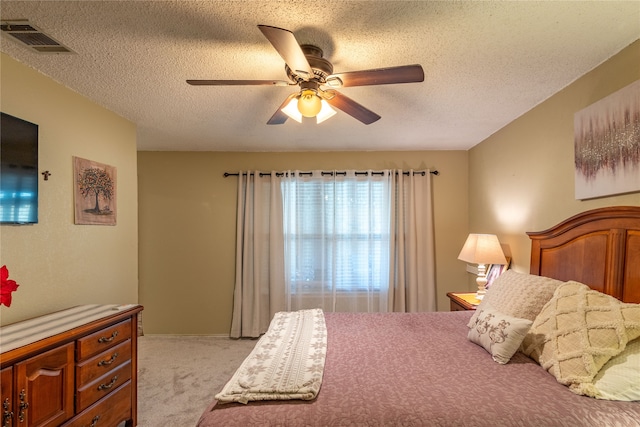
{"x": 486, "y": 63}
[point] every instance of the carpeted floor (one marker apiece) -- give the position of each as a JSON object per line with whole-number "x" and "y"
{"x": 178, "y": 376}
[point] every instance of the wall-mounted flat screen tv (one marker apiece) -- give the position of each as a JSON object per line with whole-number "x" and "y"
{"x": 18, "y": 171}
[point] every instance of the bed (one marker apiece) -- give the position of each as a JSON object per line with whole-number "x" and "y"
{"x": 392, "y": 369}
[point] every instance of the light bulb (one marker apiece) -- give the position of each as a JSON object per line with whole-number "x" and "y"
{"x": 309, "y": 104}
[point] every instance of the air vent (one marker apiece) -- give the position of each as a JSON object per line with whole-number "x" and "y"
{"x": 32, "y": 37}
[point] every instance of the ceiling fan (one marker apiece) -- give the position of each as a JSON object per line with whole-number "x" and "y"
{"x": 307, "y": 69}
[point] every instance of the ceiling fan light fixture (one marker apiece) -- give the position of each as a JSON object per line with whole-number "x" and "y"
{"x": 325, "y": 113}
{"x": 291, "y": 110}
{"x": 309, "y": 103}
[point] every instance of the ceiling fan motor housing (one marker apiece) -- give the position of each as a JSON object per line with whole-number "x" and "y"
{"x": 320, "y": 66}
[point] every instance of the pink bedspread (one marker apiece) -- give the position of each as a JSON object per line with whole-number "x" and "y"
{"x": 398, "y": 369}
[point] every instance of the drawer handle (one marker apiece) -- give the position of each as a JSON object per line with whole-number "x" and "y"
{"x": 105, "y": 339}
{"x": 7, "y": 416}
{"x": 108, "y": 386}
{"x": 23, "y": 406}
{"x": 94, "y": 421}
{"x": 108, "y": 362}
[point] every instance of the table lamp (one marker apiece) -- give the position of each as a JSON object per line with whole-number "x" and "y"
{"x": 482, "y": 249}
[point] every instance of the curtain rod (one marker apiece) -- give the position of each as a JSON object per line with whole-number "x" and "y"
{"x": 226, "y": 174}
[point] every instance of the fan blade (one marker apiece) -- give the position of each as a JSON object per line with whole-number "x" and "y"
{"x": 352, "y": 108}
{"x": 380, "y": 76}
{"x": 287, "y": 46}
{"x": 238, "y": 83}
{"x": 279, "y": 117}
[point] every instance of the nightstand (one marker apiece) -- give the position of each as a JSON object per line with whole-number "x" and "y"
{"x": 461, "y": 301}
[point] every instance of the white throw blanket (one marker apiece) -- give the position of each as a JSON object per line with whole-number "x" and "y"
{"x": 286, "y": 363}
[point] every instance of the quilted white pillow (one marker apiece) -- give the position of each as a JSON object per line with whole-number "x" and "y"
{"x": 518, "y": 295}
{"x": 578, "y": 331}
{"x": 499, "y": 334}
{"x": 619, "y": 378}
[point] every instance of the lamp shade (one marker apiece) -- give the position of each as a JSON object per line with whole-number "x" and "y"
{"x": 482, "y": 249}
{"x": 291, "y": 110}
{"x": 325, "y": 113}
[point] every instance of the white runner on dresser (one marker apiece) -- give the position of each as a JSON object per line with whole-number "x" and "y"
{"x": 29, "y": 331}
{"x": 286, "y": 363}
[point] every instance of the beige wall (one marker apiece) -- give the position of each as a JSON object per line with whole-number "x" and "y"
{"x": 518, "y": 180}
{"x": 522, "y": 177}
{"x": 56, "y": 263}
{"x": 187, "y": 227}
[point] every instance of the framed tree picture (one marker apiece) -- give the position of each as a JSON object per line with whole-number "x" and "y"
{"x": 95, "y": 192}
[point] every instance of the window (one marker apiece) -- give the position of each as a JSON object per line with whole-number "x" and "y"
{"x": 336, "y": 231}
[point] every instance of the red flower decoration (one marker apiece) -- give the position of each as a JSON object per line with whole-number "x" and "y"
{"x": 6, "y": 286}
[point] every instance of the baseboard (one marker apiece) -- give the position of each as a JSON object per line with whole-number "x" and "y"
{"x": 190, "y": 335}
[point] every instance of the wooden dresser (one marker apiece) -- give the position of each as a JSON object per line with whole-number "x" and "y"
{"x": 76, "y": 367}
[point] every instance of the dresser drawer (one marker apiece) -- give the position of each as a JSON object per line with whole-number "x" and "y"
{"x": 102, "y": 363}
{"x": 102, "y": 386}
{"x": 103, "y": 339}
{"x": 107, "y": 412}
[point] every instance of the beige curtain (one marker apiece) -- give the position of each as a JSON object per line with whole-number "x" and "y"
{"x": 259, "y": 286}
{"x": 412, "y": 261}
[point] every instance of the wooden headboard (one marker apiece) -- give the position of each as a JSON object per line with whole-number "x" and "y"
{"x": 600, "y": 248}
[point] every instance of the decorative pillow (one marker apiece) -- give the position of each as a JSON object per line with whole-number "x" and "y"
{"x": 578, "y": 331}
{"x": 499, "y": 334}
{"x": 619, "y": 378}
{"x": 518, "y": 295}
